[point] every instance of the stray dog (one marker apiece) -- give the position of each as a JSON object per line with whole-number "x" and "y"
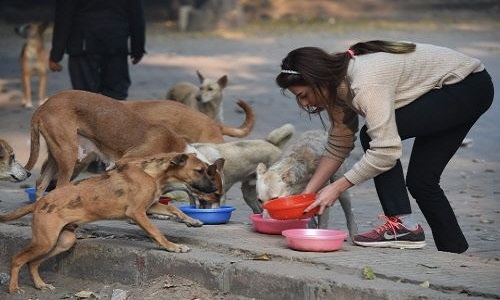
{"x": 10, "y": 168}
{"x": 128, "y": 191}
{"x": 192, "y": 125}
{"x": 206, "y": 98}
{"x": 77, "y": 125}
{"x": 241, "y": 159}
{"x": 291, "y": 173}
{"x": 34, "y": 59}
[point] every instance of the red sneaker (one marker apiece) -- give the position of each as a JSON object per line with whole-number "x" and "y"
{"x": 392, "y": 235}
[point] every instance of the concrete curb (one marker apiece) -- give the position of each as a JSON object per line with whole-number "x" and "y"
{"x": 220, "y": 261}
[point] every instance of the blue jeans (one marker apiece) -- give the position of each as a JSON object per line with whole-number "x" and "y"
{"x": 439, "y": 121}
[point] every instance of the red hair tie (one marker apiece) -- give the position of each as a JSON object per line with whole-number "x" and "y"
{"x": 350, "y": 52}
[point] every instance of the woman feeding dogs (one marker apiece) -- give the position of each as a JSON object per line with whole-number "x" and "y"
{"x": 402, "y": 90}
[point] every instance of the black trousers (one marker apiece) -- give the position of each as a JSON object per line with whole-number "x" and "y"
{"x": 439, "y": 121}
{"x": 106, "y": 74}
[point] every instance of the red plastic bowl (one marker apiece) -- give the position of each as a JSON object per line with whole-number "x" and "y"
{"x": 291, "y": 207}
{"x": 315, "y": 240}
{"x": 272, "y": 226}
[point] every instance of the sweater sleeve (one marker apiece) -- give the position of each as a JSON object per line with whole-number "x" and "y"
{"x": 63, "y": 18}
{"x": 376, "y": 102}
{"x": 137, "y": 29}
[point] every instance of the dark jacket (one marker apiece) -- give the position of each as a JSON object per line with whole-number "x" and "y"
{"x": 98, "y": 27}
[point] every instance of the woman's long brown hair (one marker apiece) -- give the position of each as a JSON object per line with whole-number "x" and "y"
{"x": 321, "y": 70}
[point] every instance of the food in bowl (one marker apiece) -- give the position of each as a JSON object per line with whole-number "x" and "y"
{"x": 273, "y": 226}
{"x": 314, "y": 240}
{"x": 209, "y": 216}
{"x": 291, "y": 207}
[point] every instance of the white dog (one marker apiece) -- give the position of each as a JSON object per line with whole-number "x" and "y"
{"x": 206, "y": 98}
{"x": 291, "y": 173}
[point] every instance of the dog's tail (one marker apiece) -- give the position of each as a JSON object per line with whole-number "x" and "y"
{"x": 18, "y": 213}
{"x": 245, "y": 128}
{"x": 34, "y": 144}
{"x": 280, "y": 136}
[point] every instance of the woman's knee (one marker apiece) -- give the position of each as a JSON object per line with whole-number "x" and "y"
{"x": 423, "y": 188}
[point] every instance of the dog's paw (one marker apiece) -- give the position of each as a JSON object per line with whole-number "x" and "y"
{"x": 16, "y": 289}
{"x": 179, "y": 248}
{"x": 193, "y": 222}
{"x": 46, "y": 286}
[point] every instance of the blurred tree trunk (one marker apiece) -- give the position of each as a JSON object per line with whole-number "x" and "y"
{"x": 202, "y": 15}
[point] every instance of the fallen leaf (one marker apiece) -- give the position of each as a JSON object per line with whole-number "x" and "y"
{"x": 169, "y": 285}
{"x": 263, "y": 256}
{"x": 368, "y": 273}
{"x": 428, "y": 266}
{"x": 486, "y": 221}
{"x": 86, "y": 294}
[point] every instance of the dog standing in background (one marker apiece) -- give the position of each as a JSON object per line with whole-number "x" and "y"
{"x": 206, "y": 98}
{"x": 34, "y": 60}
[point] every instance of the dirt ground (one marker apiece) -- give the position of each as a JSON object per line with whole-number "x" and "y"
{"x": 251, "y": 59}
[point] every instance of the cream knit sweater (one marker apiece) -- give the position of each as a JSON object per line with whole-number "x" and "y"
{"x": 379, "y": 84}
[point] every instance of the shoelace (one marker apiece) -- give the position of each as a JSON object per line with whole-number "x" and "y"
{"x": 391, "y": 223}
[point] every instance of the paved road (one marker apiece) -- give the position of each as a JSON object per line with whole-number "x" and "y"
{"x": 472, "y": 180}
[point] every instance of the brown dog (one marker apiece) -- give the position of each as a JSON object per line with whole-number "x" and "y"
{"x": 207, "y": 97}
{"x": 79, "y": 124}
{"x": 10, "y": 168}
{"x": 191, "y": 124}
{"x": 129, "y": 191}
{"x": 34, "y": 59}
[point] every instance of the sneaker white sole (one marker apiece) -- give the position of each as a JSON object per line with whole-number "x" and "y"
{"x": 393, "y": 244}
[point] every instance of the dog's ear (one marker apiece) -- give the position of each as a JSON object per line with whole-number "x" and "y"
{"x": 289, "y": 177}
{"x": 261, "y": 169}
{"x": 22, "y": 30}
{"x": 200, "y": 77}
{"x": 44, "y": 26}
{"x": 179, "y": 160}
{"x": 222, "y": 82}
{"x": 2, "y": 152}
{"x": 219, "y": 163}
{"x": 216, "y": 166}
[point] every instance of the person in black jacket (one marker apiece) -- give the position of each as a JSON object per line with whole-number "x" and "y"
{"x": 96, "y": 35}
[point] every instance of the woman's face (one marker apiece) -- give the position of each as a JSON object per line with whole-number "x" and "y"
{"x": 306, "y": 96}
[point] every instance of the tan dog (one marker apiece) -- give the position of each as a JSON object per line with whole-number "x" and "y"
{"x": 129, "y": 191}
{"x": 77, "y": 125}
{"x": 291, "y": 173}
{"x": 10, "y": 168}
{"x": 34, "y": 60}
{"x": 189, "y": 123}
{"x": 241, "y": 159}
{"x": 207, "y": 97}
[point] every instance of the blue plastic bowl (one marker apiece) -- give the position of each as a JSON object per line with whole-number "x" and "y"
{"x": 31, "y": 191}
{"x": 209, "y": 216}
{"x": 31, "y": 194}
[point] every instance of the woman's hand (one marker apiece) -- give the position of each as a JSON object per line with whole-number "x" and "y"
{"x": 327, "y": 196}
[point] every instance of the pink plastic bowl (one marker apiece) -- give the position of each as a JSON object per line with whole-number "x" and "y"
{"x": 273, "y": 226}
{"x": 291, "y": 207}
{"x": 316, "y": 240}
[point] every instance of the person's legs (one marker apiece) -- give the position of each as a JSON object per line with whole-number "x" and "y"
{"x": 84, "y": 73}
{"x": 390, "y": 186}
{"x": 433, "y": 148}
{"x": 115, "y": 77}
{"x": 439, "y": 120}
